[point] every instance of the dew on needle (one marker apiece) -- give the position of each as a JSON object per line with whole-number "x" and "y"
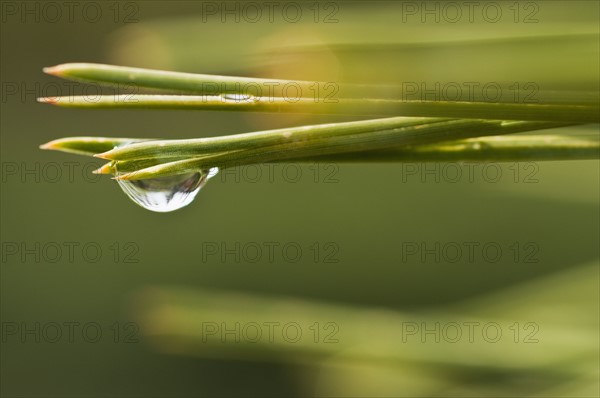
{"x": 236, "y": 98}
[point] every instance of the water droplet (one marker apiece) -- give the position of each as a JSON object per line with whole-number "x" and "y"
{"x": 165, "y": 194}
{"x": 213, "y": 171}
{"x": 239, "y": 98}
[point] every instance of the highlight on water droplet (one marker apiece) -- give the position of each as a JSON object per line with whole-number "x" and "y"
{"x": 166, "y": 194}
{"x": 239, "y": 98}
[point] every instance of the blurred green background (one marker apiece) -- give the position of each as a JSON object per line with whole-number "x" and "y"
{"x": 364, "y": 216}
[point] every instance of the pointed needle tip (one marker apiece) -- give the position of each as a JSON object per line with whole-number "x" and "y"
{"x": 48, "y": 100}
{"x": 106, "y": 169}
{"x": 103, "y": 155}
{"x": 125, "y": 176}
{"x": 53, "y": 70}
{"x": 49, "y": 146}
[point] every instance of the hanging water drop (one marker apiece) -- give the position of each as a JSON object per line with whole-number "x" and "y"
{"x": 165, "y": 194}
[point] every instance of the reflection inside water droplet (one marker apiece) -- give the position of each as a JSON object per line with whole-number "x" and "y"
{"x": 165, "y": 194}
